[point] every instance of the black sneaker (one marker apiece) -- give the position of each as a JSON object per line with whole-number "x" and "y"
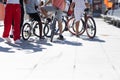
{"x": 60, "y": 37}
{"x": 11, "y": 36}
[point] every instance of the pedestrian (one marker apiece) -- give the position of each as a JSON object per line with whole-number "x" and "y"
{"x": 22, "y": 18}
{"x": 78, "y": 12}
{"x": 12, "y": 14}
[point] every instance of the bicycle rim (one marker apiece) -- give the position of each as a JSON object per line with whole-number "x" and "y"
{"x": 91, "y": 27}
{"x": 26, "y": 31}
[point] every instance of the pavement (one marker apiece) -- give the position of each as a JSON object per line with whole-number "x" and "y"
{"x": 72, "y": 59}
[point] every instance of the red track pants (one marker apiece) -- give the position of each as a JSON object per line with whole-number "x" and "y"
{"x": 12, "y": 15}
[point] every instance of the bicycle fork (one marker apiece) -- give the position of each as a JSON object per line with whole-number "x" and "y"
{"x": 53, "y": 29}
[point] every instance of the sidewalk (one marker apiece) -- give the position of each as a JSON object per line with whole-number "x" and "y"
{"x": 72, "y": 59}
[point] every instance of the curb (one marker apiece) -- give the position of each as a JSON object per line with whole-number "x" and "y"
{"x": 114, "y": 20}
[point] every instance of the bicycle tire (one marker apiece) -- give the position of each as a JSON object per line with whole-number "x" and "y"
{"x": 71, "y": 26}
{"x": 26, "y": 31}
{"x": 91, "y": 27}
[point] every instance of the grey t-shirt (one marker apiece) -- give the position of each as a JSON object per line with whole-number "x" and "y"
{"x": 30, "y": 6}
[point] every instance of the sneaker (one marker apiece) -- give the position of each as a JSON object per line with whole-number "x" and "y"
{"x": 8, "y": 40}
{"x": 17, "y": 41}
{"x": 11, "y": 36}
{"x": 60, "y": 37}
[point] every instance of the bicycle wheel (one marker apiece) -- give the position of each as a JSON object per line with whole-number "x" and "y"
{"x": 91, "y": 27}
{"x": 26, "y": 31}
{"x": 71, "y": 26}
{"x": 36, "y": 30}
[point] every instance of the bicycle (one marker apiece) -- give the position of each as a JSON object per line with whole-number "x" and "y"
{"x": 30, "y": 27}
{"x": 47, "y": 27}
{"x": 87, "y": 23}
{"x": 53, "y": 25}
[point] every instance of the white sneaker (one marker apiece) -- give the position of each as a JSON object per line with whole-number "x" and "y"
{"x": 18, "y": 41}
{"x": 8, "y": 40}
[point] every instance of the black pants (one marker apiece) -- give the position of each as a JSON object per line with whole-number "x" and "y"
{"x": 36, "y": 17}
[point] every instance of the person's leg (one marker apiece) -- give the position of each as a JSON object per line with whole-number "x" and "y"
{"x": 40, "y": 28}
{"x": 37, "y": 17}
{"x": 78, "y": 15}
{"x": 60, "y": 26}
{"x": 77, "y": 27}
{"x": 60, "y": 31}
{"x": 7, "y": 20}
{"x": 77, "y": 23}
{"x": 22, "y": 20}
{"x": 17, "y": 21}
{"x": 59, "y": 17}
